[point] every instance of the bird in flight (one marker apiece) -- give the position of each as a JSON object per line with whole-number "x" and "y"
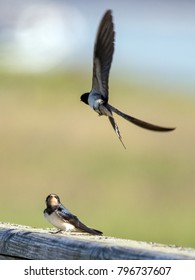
{"x": 98, "y": 97}
{"x": 63, "y": 219}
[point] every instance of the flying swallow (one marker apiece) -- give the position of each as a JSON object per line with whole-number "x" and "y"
{"x": 97, "y": 98}
{"x": 63, "y": 219}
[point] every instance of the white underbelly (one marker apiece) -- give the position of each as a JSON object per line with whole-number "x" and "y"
{"x": 59, "y": 223}
{"x": 94, "y": 100}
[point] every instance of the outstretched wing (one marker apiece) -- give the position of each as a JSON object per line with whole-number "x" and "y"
{"x": 103, "y": 53}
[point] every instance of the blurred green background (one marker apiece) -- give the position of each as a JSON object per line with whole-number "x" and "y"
{"x": 51, "y": 142}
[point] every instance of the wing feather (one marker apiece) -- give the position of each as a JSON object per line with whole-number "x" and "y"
{"x": 66, "y": 216}
{"x": 103, "y": 53}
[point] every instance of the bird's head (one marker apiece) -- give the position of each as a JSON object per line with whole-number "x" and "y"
{"x": 84, "y": 97}
{"x": 52, "y": 200}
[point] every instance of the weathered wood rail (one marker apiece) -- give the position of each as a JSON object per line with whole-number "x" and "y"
{"x": 22, "y": 242}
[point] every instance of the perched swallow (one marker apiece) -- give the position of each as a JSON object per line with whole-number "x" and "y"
{"x": 60, "y": 217}
{"x": 97, "y": 98}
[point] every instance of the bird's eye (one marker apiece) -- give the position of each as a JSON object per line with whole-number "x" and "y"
{"x": 56, "y": 197}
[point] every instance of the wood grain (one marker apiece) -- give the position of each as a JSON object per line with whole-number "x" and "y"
{"x": 22, "y": 242}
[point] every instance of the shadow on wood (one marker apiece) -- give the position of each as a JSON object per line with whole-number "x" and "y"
{"x": 22, "y": 242}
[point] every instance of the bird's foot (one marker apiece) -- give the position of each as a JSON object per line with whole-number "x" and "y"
{"x": 54, "y": 232}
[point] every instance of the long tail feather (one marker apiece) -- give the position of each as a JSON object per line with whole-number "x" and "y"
{"x": 141, "y": 123}
{"x": 116, "y": 129}
{"x": 89, "y": 230}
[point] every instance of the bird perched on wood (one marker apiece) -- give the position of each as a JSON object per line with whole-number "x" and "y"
{"x": 98, "y": 97}
{"x": 63, "y": 219}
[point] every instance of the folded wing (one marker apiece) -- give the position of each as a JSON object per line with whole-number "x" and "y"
{"x": 64, "y": 214}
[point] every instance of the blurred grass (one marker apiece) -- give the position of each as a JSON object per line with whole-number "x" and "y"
{"x": 51, "y": 142}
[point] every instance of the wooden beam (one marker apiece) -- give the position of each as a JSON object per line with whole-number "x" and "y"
{"x": 22, "y": 242}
